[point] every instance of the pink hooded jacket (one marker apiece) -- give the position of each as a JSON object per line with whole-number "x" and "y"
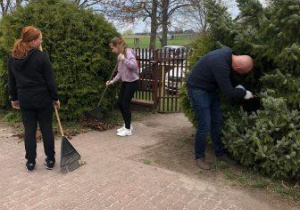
{"x": 128, "y": 70}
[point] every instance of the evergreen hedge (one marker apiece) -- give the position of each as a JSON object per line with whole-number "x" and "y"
{"x": 202, "y": 45}
{"x": 262, "y": 133}
{"x": 77, "y": 42}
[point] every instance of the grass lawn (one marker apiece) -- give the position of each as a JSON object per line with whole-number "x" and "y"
{"x": 180, "y": 39}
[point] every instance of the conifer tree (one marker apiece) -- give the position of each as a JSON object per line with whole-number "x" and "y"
{"x": 266, "y": 138}
{"x": 77, "y": 42}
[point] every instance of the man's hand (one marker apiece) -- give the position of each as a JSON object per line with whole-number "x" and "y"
{"x": 121, "y": 57}
{"x": 15, "y": 104}
{"x": 248, "y": 95}
{"x": 56, "y": 104}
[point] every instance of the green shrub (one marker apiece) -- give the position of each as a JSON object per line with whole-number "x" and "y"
{"x": 3, "y": 84}
{"x": 266, "y": 140}
{"x": 12, "y": 117}
{"x": 286, "y": 85}
{"x": 202, "y": 45}
{"x": 77, "y": 42}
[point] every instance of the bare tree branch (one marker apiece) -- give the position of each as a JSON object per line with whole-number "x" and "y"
{"x": 195, "y": 15}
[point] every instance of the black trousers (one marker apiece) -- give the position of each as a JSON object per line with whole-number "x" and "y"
{"x": 43, "y": 117}
{"x": 125, "y": 96}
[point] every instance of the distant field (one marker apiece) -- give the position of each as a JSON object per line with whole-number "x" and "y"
{"x": 144, "y": 40}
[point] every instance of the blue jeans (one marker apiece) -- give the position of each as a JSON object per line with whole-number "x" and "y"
{"x": 209, "y": 119}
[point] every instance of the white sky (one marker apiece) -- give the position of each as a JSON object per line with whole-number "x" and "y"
{"x": 141, "y": 26}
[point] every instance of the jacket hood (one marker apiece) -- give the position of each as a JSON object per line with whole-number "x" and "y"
{"x": 20, "y": 62}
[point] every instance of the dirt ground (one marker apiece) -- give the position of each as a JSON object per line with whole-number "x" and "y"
{"x": 175, "y": 152}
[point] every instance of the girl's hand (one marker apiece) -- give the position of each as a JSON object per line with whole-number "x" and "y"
{"x": 121, "y": 57}
{"x": 108, "y": 83}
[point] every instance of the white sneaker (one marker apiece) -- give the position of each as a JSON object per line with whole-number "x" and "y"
{"x": 120, "y": 129}
{"x": 125, "y": 132}
{"x": 123, "y": 127}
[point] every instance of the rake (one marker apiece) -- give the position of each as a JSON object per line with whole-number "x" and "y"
{"x": 70, "y": 159}
{"x": 96, "y": 112}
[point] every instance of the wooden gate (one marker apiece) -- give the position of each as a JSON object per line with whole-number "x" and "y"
{"x": 162, "y": 73}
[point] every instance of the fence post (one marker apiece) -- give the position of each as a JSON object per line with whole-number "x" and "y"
{"x": 136, "y": 42}
{"x": 155, "y": 79}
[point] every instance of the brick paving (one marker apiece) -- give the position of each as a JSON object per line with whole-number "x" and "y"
{"x": 110, "y": 179}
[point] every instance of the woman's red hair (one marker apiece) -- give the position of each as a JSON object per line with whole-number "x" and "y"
{"x": 23, "y": 45}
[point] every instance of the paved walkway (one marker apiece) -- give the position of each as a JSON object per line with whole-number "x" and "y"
{"x": 111, "y": 179}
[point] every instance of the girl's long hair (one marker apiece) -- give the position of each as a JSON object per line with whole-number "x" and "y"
{"x": 119, "y": 42}
{"x": 23, "y": 45}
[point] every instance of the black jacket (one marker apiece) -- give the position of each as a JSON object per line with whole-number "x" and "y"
{"x": 31, "y": 80}
{"x": 212, "y": 71}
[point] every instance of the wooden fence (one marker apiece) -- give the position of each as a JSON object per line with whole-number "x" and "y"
{"x": 162, "y": 73}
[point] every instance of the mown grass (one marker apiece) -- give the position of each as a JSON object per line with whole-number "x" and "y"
{"x": 247, "y": 177}
{"x": 179, "y": 39}
{"x": 11, "y": 117}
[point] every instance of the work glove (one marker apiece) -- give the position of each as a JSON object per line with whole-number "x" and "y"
{"x": 241, "y": 87}
{"x": 121, "y": 57}
{"x": 248, "y": 95}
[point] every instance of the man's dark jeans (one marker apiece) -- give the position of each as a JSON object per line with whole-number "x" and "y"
{"x": 209, "y": 119}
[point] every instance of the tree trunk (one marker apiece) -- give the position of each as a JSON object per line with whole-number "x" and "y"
{"x": 164, "y": 22}
{"x": 18, "y": 2}
{"x": 153, "y": 25}
{"x": 4, "y": 8}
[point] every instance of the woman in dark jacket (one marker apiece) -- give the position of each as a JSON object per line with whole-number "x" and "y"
{"x": 32, "y": 89}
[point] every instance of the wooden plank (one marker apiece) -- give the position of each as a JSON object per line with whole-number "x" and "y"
{"x": 142, "y": 102}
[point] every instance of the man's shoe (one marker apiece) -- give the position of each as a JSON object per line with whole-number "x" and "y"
{"x": 123, "y": 127}
{"x": 30, "y": 166}
{"x": 225, "y": 158}
{"x": 201, "y": 163}
{"x": 49, "y": 164}
{"x": 125, "y": 132}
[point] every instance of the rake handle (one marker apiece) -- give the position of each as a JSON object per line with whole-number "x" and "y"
{"x": 58, "y": 120}
{"x": 103, "y": 93}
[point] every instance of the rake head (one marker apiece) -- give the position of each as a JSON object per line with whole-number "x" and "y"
{"x": 95, "y": 114}
{"x": 70, "y": 158}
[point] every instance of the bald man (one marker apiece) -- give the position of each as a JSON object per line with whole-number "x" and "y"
{"x": 209, "y": 75}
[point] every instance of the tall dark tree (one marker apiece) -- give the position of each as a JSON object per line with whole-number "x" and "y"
{"x": 9, "y": 5}
{"x": 167, "y": 8}
{"x": 194, "y": 15}
{"x": 5, "y": 6}
{"x": 154, "y": 24}
{"x": 159, "y": 13}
